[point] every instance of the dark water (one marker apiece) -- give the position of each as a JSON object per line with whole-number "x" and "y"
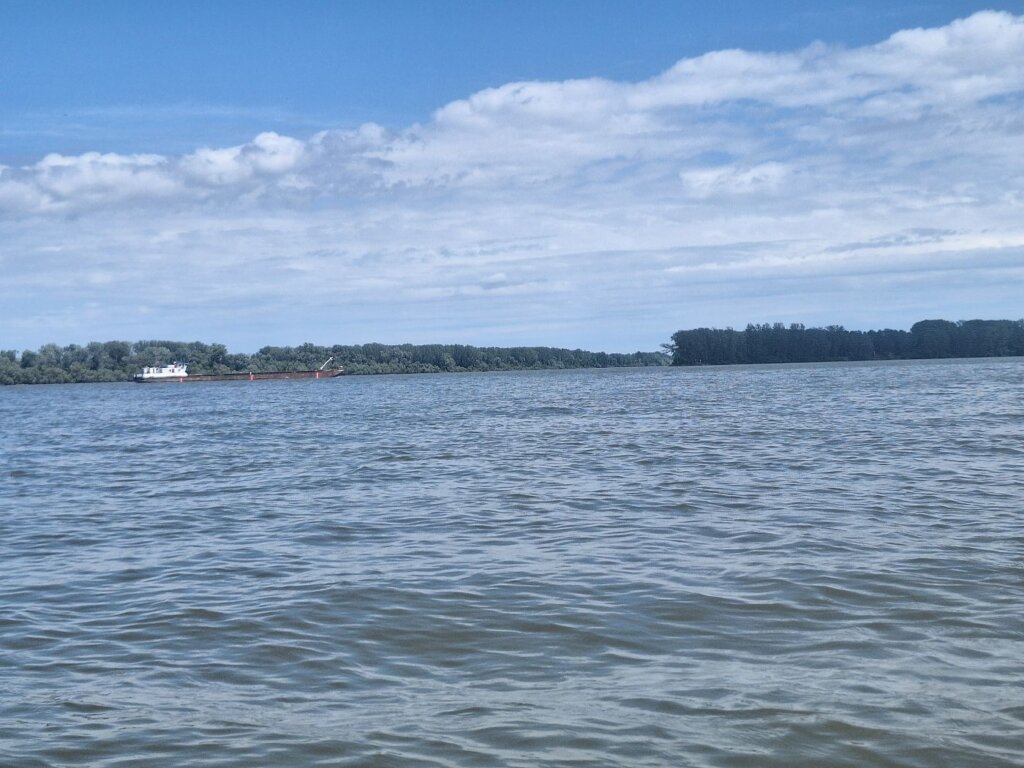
{"x": 772, "y": 566}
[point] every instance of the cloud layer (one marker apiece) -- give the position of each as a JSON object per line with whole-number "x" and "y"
{"x": 867, "y": 186}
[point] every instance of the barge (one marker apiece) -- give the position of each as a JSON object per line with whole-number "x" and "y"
{"x": 178, "y": 373}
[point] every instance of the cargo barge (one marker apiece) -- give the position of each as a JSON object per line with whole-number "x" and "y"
{"x": 177, "y": 373}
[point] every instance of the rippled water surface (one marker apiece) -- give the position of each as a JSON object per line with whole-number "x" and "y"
{"x": 766, "y": 566}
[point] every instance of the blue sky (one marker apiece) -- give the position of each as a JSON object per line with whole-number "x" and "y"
{"x": 589, "y": 174}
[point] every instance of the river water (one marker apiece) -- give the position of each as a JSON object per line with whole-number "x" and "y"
{"x": 816, "y": 565}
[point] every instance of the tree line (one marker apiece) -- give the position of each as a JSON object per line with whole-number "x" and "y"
{"x": 765, "y": 343}
{"x": 779, "y": 343}
{"x": 121, "y": 360}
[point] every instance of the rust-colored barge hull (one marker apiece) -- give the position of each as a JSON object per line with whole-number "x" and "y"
{"x": 251, "y": 376}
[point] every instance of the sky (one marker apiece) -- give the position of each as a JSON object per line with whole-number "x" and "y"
{"x": 578, "y": 174}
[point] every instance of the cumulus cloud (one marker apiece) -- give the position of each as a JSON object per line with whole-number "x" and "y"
{"x": 269, "y": 154}
{"x": 617, "y": 197}
{"x": 59, "y": 182}
{"x": 531, "y": 132}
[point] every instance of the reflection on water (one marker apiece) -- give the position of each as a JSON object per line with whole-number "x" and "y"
{"x": 764, "y": 566}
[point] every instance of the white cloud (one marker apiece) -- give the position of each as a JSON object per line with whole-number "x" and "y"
{"x": 623, "y": 198}
{"x": 216, "y": 166}
{"x": 533, "y": 132}
{"x": 269, "y": 154}
{"x": 730, "y": 180}
{"x": 58, "y": 182}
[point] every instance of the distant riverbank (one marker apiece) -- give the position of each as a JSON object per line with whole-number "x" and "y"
{"x": 120, "y": 360}
{"x": 778, "y": 343}
{"x": 112, "y": 361}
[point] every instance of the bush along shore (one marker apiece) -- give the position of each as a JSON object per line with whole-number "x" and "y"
{"x": 121, "y": 360}
{"x": 779, "y": 343}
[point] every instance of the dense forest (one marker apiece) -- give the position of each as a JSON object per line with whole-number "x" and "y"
{"x": 120, "y": 360}
{"x": 779, "y": 343}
